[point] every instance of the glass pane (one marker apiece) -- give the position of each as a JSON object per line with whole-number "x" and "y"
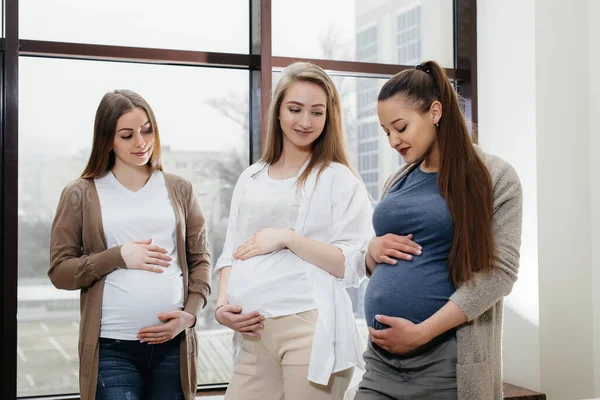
{"x": 219, "y": 26}
{"x": 203, "y": 118}
{"x": 382, "y": 31}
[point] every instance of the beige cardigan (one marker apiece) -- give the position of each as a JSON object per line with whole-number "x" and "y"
{"x": 479, "y": 350}
{"x": 79, "y": 259}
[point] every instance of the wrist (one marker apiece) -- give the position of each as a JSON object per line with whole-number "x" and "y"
{"x": 219, "y": 305}
{"x": 288, "y": 237}
{"x": 370, "y": 263}
{"x": 424, "y": 333}
{"x": 191, "y": 319}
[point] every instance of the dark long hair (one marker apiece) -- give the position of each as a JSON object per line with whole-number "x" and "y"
{"x": 112, "y": 106}
{"x": 463, "y": 179}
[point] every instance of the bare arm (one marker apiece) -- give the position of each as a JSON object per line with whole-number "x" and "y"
{"x": 223, "y": 282}
{"x": 327, "y": 257}
{"x": 371, "y": 264}
{"x": 446, "y": 318}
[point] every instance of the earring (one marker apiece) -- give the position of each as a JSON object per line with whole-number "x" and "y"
{"x": 437, "y": 124}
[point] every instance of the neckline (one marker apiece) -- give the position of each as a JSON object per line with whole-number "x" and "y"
{"x": 298, "y": 173}
{"x": 271, "y": 179}
{"x": 425, "y": 172}
{"x": 116, "y": 182}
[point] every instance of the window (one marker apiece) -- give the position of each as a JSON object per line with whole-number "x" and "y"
{"x": 192, "y": 130}
{"x": 408, "y": 36}
{"x": 368, "y": 156}
{"x": 184, "y": 24}
{"x": 366, "y": 44}
{"x": 62, "y": 56}
{"x": 346, "y": 36}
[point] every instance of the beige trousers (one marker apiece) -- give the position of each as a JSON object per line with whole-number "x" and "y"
{"x": 275, "y": 366}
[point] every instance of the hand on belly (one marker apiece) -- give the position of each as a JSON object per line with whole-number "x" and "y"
{"x": 265, "y": 241}
{"x": 402, "y": 335}
{"x": 173, "y": 323}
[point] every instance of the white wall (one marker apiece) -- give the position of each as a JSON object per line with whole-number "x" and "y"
{"x": 507, "y": 128}
{"x": 564, "y": 204}
{"x": 594, "y": 49}
{"x": 538, "y": 105}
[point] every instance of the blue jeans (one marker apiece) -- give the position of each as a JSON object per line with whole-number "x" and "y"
{"x": 130, "y": 370}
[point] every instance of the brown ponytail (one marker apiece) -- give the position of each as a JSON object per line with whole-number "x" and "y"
{"x": 463, "y": 179}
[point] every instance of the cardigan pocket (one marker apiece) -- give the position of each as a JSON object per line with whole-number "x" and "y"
{"x": 474, "y": 381}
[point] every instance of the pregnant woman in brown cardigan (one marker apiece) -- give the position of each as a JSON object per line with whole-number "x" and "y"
{"x": 133, "y": 240}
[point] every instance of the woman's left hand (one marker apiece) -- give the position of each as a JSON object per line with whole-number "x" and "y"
{"x": 174, "y": 323}
{"x": 402, "y": 335}
{"x": 262, "y": 242}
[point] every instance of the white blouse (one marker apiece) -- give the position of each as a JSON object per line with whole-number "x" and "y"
{"x": 271, "y": 284}
{"x": 335, "y": 209}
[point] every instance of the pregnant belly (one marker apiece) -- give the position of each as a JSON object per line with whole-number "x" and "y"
{"x": 275, "y": 286}
{"x": 133, "y": 300}
{"x": 408, "y": 290}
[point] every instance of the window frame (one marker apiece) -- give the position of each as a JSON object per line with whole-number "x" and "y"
{"x": 259, "y": 62}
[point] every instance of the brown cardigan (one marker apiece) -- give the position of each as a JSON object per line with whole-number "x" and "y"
{"x": 79, "y": 259}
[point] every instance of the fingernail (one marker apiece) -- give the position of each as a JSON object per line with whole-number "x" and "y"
{"x": 377, "y": 317}
{"x": 419, "y": 252}
{"x": 409, "y": 257}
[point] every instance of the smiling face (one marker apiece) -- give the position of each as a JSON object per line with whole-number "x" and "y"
{"x": 302, "y": 114}
{"x": 409, "y": 131}
{"x": 134, "y": 138}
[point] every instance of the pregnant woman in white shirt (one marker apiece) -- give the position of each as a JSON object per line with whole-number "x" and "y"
{"x": 299, "y": 225}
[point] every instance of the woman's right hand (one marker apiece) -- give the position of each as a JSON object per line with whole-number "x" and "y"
{"x": 383, "y": 248}
{"x": 246, "y": 324}
{"x": 145, "y": 256}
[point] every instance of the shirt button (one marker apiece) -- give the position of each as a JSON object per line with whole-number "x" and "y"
{"x": 406, "y": 378}
{"x": 397, "y": 364}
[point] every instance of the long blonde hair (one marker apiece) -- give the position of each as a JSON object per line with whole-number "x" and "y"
{"x": 330, "y": 146}
{"x": 112, "y": 106}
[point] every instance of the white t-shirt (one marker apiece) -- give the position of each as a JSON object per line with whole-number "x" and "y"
{"x": 132, "y": 298}
{"x": 272, "y": 284}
